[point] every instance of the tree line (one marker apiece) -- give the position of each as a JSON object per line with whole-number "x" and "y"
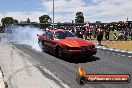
{"x": 79, "y": 18}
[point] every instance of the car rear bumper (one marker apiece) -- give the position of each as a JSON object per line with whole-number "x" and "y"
{"x": 80, "y": 53}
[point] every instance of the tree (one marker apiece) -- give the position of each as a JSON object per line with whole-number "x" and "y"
{"x": 7, "y": 20}
{"x": 44, "y": 19}
{"x": 23, "y": 21}
{"x": 79, "y": 17}
{"x": 28, "y": 20}
{"x": 15, "y": 21}
{"x": 98, "y": 23}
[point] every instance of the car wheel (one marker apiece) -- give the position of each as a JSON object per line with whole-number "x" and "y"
{"x": 60, "y": 53}
{"x": 42, "y": 46}
{"x": 38, "y": 40}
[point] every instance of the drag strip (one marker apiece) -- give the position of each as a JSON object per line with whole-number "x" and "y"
{"x": 104, "y": 62}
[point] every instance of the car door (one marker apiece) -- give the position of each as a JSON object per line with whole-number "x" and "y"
{"x": 41, "y": 40}
{"x": 49, "y": 41}
{"x": 42, "y": 37}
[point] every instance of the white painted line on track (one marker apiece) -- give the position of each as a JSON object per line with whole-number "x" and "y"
{"x": 51, "y": 74}
{"x": 117, "y": 50}
{"x": 129, "y": 56}
{"x": 130, "y": 52}
{"x": 113, "y": 49}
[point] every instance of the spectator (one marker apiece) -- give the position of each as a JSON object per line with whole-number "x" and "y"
{"x": 77, "y": 32}
{"x": 86, "y": 34}
{"x": 94, "y": 32}
{"x": 125, "y": 34}
{"x": 121, "y": 36}
{"x": 70, "y": 30}
{"x": 81, "y": 34}
{"x": 99, "y": 35}
{"x": 89, "y": 33}
{"x": 115, "y": 37}
{"x": 84, "y": 29}
{"x": 131, "y": 34}
{"x": 107, "y": 32}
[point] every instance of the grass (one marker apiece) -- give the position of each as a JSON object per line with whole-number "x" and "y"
{"x": 123, "y": 45}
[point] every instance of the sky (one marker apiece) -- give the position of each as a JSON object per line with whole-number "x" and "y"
{"x": 65, "y": 10}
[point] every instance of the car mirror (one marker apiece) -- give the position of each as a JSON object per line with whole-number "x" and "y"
{"x": 43, "y": 34}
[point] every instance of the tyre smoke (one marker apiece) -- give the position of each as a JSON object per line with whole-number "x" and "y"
{"x": 23, "y": 35}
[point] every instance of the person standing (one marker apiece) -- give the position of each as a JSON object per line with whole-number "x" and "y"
{"x": 81, "y": 34}
{"x": 124, "y": 34}
{"x": 77, "y": 31}
{"x": 107, "y": 32}
{"x": 86, "y": 34}
{"x": 89, "y": 33}
{"x": 131, "y": 34}
{"x": 99, "y": 35}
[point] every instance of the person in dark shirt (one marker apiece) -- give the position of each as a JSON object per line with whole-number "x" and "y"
{"x": 77, "y": 32}
{"x": 86, "y": 33}
{"x": 131, "y": 34}
{"x": 107, "y": 32}
{"x": 90, "y": 33}
{"x": 115, "y": 37}
{"x": 81, "y": 34}
{"x": 125, "y": 34}
{"x": 99, "y": 35}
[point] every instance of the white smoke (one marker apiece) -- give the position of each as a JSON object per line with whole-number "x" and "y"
{"x": 24, "y": 35}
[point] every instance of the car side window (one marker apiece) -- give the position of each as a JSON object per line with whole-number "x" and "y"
{"x": 49, "y": 35}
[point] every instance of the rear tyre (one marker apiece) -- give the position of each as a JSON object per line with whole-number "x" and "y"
{"x": 59, "y": 53}
{"x": 38, "y": 40}
{"x": 41, "y": 45}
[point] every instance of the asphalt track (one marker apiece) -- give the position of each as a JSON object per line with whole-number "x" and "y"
{"x": 104, "y": 62}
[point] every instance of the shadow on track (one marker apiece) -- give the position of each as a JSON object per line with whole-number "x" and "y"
{"x": 78, "y": 60}
{"x": 81, "y": 60}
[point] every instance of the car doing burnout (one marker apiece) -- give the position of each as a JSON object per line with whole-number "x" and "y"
{"x": 63, "y": 43}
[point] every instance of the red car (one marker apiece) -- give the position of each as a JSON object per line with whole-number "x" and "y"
{"x": 63, "y": 43}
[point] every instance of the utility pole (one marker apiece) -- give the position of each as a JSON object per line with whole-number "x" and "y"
{"x": 4, "y": 14}
{"x": 127, "y": 15}
{"x": 53, "y": 15}
{"x": 3, "y": 25}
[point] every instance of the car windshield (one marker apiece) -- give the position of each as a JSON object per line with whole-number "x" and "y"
{"x": 63, "y": 34}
